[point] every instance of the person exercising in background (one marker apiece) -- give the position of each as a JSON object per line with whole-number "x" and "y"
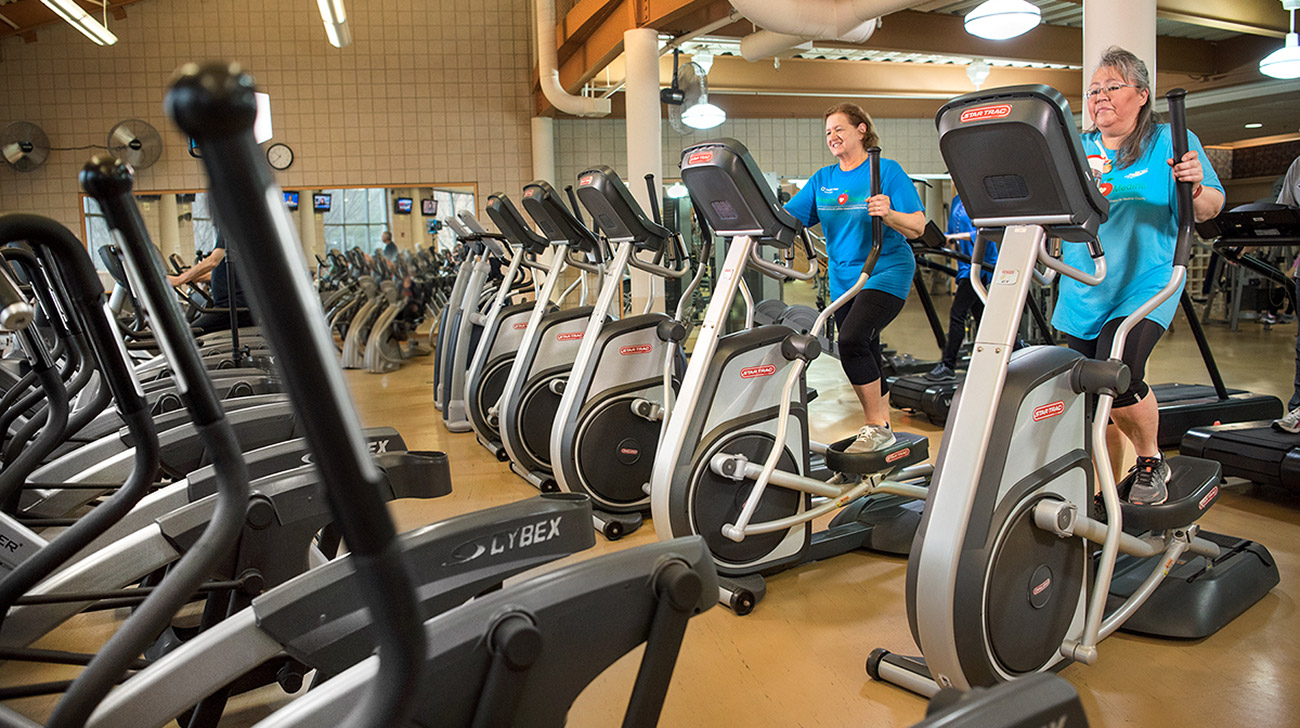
{"x": 216, "y": 265}
{"x": 839, "y": 197}
{"x": 1131, "y": 158}
{"x": 1289, "y": 195}
{"x": 964, "y": 300}
{"x": 388, "y": 247}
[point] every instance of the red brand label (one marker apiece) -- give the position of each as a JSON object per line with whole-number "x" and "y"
{"x": 1041, "y": 587}
{"x": 629, "y": 451}
{"x": 521, "y": 325}
{"x": 983, "y": 113}
{"x": 893, "y": 456}
{"x": 638, "y": 349}
{"x": 586, "y": 180}
{"x": 700, "y": 157}
{"x": 571, "y": 336}
{"x": 766, "y": 370}
{"x": 530, "y": 192}
{"x": 1048, "y": 410}
{"x": 1208, "y": 497}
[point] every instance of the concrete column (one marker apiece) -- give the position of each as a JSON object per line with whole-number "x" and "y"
{"x": 1129, "y": 24}
{"x": 307, "y": 229}
{"x": 543, "y": 151}
{"x": 169, "y": 228}
{"x": 644, "y": 144}
{"x": 415, "y": 233}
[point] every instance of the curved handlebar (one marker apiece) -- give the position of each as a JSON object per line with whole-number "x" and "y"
{"x": 1186, "y": 217}
{"x": 215, "y": 105}
{"x": 877, "y": 223}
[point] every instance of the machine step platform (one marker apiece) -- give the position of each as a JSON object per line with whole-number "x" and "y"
{"x": 908, "y": 449}
{"x": 1193, "y": 488}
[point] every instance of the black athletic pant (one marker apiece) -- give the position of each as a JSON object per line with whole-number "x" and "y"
{"x": 1137, "y": 349}
{"x": 964, "y": 302}
{"x": 860, "y": 324}
{"x": 1295, "y": 396}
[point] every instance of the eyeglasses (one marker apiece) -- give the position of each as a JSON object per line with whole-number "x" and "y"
{"x": 1108, "y": 89}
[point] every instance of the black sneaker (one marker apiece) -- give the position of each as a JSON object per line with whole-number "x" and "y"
{"x": 1150, "y": 479}
{"x": 939, "y": 372}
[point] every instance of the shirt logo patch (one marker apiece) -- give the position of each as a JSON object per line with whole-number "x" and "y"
{"x": 843, "y": 198}
{"x": 1106, "y": 188}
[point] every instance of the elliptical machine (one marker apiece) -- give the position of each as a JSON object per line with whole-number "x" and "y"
{"x": 504, "y": 328}
{"x": 717, "y": 473}
{"x": 550, "y": 342}
{"x": 615, "y": 400}
{"x": 1003, "y": 580}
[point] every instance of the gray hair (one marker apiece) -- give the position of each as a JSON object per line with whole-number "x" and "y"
{"x": 1134, "y": 71}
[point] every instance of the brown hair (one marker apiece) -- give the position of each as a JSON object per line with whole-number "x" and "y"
{"x": 1135, "y": 72}
{"x": 856, "y": 116}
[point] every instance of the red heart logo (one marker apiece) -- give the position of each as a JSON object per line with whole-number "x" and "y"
{"x": 844, "y": 198}
{"x": 1106, "y": 187}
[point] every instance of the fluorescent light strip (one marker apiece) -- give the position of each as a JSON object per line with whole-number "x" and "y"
{"x": 336, "y": 22}
{"x": 81, "y": 20}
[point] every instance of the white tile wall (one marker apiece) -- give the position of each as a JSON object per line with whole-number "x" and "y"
{"x": 786, "y": 147}
{"x": 428, "y": 93}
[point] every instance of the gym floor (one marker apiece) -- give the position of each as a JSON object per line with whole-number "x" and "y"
{"x": 798, "y": 659}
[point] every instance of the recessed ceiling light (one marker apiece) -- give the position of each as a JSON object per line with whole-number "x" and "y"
{"x": 1254, "y": 125}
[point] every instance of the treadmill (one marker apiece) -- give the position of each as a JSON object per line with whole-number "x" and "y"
{"x": 1252, "y": 450}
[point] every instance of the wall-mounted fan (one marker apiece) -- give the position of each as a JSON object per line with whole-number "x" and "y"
{"x": 692, "y": 83}
{"x": 135, "y": 142}
{"x": 24, "y": 146}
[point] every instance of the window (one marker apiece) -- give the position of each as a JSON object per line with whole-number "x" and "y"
{"x": 356, "y": 218}
{"x": 449, "y": 205}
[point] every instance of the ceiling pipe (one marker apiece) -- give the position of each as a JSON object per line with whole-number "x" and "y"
{"x": 548, "y": 73}
{"x": 800, "y": 21}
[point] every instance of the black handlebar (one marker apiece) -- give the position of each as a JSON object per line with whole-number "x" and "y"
{"x": 214, "y": 104}
{"x": 654, "y": 198}
{"x": 1186, "y": 217}
{"x": 877, "y": 224}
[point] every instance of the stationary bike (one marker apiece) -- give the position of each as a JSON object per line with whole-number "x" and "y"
{"x": 1005, "y": 578}
{"x": 717, "y": 473}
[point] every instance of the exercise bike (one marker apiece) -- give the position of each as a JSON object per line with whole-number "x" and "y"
{"x": 717, "y": 473}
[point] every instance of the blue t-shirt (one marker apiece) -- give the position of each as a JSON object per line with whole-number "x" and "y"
{"x": 838, "y": 200}
{"x": 959, "y": 222}
{"x": 1138, "y": 237}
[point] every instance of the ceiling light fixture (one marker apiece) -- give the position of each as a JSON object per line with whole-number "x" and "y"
{"x": 1254, "y": 125}
{"x": 978, "y": 72}
{"x": 677, "y": 191}
{"x": 1285, "y": 61}
{"x": 336, "y": 22}
{"x": 703, "y": 115}
{"x": 1003, "y": 19}
{"x": 82, "y": 21}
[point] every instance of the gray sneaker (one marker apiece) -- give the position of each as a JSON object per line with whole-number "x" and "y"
{"x": 871, "y": 438}
{"x": 1150, "y": 479}
{"x": 1290, "y": 423}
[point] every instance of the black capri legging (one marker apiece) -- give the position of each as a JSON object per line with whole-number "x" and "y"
{"x": 1137, "y": 349}
{"x": 860, "y": 324}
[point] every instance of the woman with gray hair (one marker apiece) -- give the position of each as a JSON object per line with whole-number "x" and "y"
{"x": 1131, "y": 156}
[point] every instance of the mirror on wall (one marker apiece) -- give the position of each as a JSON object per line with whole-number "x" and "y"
{"x": 181, "y": 222}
